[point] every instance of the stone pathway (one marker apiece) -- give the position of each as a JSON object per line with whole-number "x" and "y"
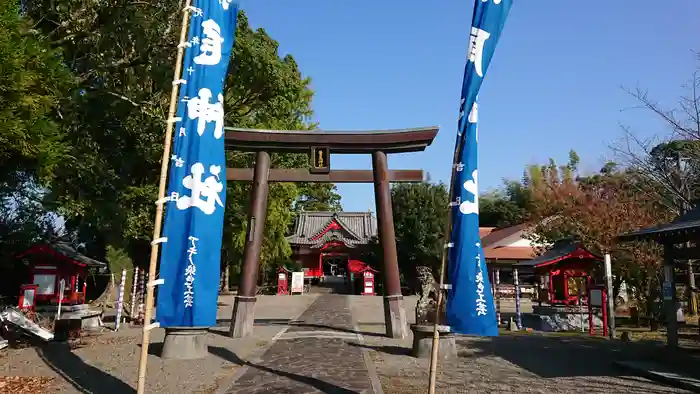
{"x": 314, "y": 355}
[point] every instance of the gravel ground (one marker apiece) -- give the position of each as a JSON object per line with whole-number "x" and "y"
{"x": 510, "y": 364}
{"x": 505, "y": 364}
{"x": 108, "y": 362}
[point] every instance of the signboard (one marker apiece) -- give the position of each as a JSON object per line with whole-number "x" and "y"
{"x": 320, "y": 160}
{"x": 596, "y": 298}
{"x": 368, "y": 282}
{"x": 27, "y": 297}
{"x": 282, "y": 286}
{"x": 297, "y": 282}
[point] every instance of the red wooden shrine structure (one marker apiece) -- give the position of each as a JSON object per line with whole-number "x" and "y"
{"x": 332, "y": 243}
{"x": 51, "y": 263}
{"x": 567, "y": 270}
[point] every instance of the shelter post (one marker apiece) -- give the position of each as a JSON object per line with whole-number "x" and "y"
{"x": 669, "y": 296}
{"x": 692, "y": 299}
{"x": 394, "y": 314}
{"x": 518, "y": 314}
{"x": 611, "y": 295}
{"x": 243, "y": 316}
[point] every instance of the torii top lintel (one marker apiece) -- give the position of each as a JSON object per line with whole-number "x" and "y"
{"x": 387, "y": 141}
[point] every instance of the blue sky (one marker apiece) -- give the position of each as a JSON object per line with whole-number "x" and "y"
{"x": 553, "y": 84}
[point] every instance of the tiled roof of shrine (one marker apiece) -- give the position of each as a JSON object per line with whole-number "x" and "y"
{"x": 315, "y": 229}
{"x": 64, "y": 249}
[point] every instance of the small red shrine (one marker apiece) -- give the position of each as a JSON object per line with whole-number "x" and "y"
{"x": 51, "y": 263}
{"x": 331, "y": 243}
{"x": 567, "y": 270}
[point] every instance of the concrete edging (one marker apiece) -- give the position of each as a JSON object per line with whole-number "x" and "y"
{"x": 658, "y": 377}
{"x": 369, "y": 364}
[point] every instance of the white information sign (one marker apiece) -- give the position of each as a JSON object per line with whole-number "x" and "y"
{"x": 297, "y": 282}
{"x": 28, "y": 299}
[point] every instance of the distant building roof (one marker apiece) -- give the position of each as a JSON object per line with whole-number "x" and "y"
{"x": 503, "y": 236}
{"x": 315, "y": 229}
{"x": 497, "y": 243}
{"x": 484, "y": 231}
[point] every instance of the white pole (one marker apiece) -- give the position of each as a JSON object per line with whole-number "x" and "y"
{"x": 611, "y": 299}
{"x": 134, "y": 286}
{"x": 61, "y": 289}
{"x": 120, "y": 301}
{"x": 142, "y": 294}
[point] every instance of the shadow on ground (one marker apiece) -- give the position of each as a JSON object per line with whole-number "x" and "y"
{"x": 222, "y": 326}
{"x": 551, "y": 356}
{"x": 82, "y": 376}
{"x": 154, "y": 348}
{"x": 258, "y": 322}
{"x": 339, "y": 329}
{"x": 318, "y": 384}
{"x": 394, "y": 350}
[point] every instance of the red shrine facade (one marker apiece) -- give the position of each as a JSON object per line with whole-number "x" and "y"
{"x": 567, "y": 272}
{"x": 331, "y": 243}
{"x": 49, "y": 264}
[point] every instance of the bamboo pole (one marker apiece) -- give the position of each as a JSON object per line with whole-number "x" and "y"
{"x": 159, "y": 206}
{"x": 443, "y": 264}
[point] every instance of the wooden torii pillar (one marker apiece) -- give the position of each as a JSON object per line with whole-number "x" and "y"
{"x": 320, "y": 145}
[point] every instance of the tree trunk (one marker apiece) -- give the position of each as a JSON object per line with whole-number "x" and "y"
{"x": 106, "y": 297}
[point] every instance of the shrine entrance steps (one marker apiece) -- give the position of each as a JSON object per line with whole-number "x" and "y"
{"x": 331, "y": 285}
{"x": 318, "y": 353}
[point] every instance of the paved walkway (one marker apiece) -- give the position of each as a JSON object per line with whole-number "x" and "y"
{"x": 312, "y": 356}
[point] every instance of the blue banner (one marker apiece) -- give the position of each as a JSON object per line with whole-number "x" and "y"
{"x": 193, "y": 229}
{"x": 470, "y": 308}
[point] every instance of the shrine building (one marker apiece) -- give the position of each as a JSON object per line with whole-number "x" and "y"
{"x": 331, "y": 243}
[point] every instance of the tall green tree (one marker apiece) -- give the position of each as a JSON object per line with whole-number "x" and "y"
{"x": 123, "y": 53}
{"x": 504, "y": 207}
{"x": 318, "y": 197}
{"x": 420, "y": 211}
{"x": 33, "y": 85}
{"x": 512, "y": 203}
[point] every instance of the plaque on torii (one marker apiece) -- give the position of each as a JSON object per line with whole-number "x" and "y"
{"x": 320, "y": 145}
{"x": 320, "y": 160}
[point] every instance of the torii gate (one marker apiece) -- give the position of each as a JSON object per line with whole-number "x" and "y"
{"x": 320, "y": 145}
